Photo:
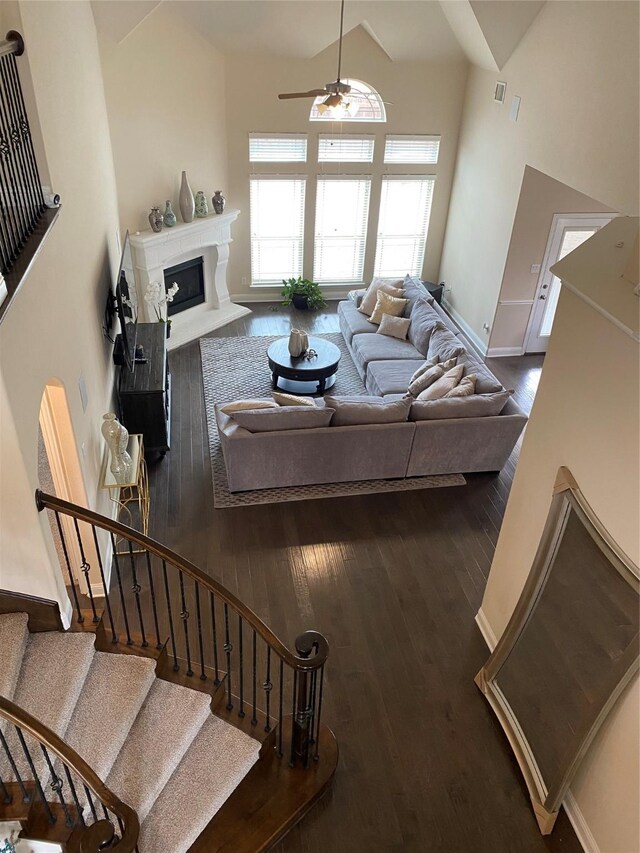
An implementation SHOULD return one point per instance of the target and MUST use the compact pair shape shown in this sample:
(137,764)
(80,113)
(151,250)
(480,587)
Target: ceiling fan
(336,91)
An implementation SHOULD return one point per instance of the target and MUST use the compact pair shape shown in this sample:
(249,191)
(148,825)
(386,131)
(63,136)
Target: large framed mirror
(569,650)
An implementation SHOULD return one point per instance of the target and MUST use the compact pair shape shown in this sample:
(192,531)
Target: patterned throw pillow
(283,399)
(394,327)
(368,302)
(442,386)
(466,387)
(387,304)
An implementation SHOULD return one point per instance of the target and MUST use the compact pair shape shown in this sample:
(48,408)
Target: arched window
(363,103)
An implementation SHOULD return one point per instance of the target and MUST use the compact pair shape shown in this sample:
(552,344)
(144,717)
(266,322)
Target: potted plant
(302,293)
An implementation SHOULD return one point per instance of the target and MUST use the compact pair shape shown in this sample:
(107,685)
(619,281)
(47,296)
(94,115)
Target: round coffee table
(303,375)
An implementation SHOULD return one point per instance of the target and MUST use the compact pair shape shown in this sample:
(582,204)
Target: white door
(567,233)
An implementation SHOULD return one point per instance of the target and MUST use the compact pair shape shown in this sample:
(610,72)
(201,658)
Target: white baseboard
(503,352)
(474,340)
(207,322)
(486,630)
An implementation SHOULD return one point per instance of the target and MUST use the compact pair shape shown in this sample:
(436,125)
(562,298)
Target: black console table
(144,396)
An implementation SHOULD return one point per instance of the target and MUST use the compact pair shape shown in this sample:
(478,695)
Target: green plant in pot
(302,293)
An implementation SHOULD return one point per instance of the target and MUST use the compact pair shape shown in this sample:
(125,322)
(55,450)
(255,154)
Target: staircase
(111,739)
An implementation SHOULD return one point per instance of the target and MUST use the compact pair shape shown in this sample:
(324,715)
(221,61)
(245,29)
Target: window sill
(325,285)
(16,277)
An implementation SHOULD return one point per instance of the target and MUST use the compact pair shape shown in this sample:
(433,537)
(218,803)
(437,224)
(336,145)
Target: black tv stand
(144,394)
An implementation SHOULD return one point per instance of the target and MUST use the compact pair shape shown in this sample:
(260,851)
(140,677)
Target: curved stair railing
(154,597)
(46,785)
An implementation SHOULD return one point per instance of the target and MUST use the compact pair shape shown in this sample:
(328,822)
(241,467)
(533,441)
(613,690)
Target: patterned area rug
(235,369)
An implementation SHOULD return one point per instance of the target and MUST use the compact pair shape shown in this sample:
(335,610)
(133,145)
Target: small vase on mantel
(117,438)
(202,208)
(169,216)
(187,204)
(156,219)
(218,201)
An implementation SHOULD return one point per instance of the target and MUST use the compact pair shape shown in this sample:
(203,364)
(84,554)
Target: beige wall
(164,86)
(540,198)
(585,417)
(426,98)
(576,71)
(53,329)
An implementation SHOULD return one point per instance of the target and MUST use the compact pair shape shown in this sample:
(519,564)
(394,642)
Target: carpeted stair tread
(13,640)
(213,766)
(170,717)
(113,693)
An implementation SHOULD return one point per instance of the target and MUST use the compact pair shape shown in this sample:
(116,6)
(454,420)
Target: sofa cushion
(394,327)
(356,295)
(352,322)
(387,304)
(243,405)
(414,289)
(424,321)
(474,406)
(464,388)
(486,382)
(442,386)
(425,379)
(390,377)
(283,399)
(368,301)
(444,344)
(446,320)
(368,348)
(284,417)
(350,411)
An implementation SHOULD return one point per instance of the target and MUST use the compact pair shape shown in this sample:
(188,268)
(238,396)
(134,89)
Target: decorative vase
(202,208)
(187,204)
(169,216)
(156,219)
(218,201)
(298,343)
(117,438)
(300,301)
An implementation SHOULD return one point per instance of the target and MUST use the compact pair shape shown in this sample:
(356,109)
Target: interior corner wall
(54,326)
(577,73)
(164,85)
(426,99)
(587,420)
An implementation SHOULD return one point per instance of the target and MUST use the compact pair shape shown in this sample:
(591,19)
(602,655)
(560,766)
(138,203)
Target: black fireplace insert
(190,278)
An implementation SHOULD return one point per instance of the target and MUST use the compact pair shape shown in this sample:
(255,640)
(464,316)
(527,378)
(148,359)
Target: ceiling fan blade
(313,93)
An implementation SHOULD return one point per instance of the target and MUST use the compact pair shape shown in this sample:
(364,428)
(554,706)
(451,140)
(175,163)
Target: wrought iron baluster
(25,794)
(203,676)
(74,591)
(6,796)
(184,615)
(312,707)
(114,636)
(105,812)
(280,707)
(154,608)
(228,648)
(292,757)
(317,737)
(35,184)
(9,74)
(136,589)
(116,563)
(267,687)
(254,680)
(13,227)
(214,630)
(17,208)
(87,792)
(85,568)
(241,668)
(56,785)
(170,616)
(50,815)
(74,794)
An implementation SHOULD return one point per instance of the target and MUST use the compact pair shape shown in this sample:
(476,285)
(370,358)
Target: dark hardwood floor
(394,581)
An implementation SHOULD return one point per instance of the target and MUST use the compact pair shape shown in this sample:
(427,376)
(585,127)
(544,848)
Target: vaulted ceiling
(485,31)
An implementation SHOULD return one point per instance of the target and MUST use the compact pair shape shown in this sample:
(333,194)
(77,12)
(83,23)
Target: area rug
(235,369)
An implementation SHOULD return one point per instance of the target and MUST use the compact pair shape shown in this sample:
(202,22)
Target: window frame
(263,282)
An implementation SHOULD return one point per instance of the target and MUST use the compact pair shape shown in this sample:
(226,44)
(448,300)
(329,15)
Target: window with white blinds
(411,149)
(277,227)
(345,149)
(405,207)
(278,147)
(342,211)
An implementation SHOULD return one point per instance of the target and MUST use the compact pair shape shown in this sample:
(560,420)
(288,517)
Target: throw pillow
(394,327)
(426,366)
(424,321)
(353,411)
(473,406)
(242,405)
(442,386)
(465,388)
(444,344)
(283,417)
(425,380)
(387,304)
(283,399)
(368,301)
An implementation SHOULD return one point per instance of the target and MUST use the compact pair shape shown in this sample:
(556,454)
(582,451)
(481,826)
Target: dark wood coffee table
(303,375)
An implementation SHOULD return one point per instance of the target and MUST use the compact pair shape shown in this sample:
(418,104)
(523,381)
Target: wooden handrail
(12,43)
(306,643)
(98,833)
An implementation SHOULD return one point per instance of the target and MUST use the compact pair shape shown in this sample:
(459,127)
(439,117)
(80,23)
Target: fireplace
(190,279)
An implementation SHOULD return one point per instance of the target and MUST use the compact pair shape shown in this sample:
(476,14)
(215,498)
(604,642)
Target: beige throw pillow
(387,304)
(283,399)
(247,405)
(431,362)
(394,327)
(368,302)
(425,379)
(442,386)
(466,387)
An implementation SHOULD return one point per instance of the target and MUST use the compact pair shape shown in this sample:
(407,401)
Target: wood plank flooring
(394,581)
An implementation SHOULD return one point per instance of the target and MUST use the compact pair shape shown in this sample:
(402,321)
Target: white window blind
(345,149)
(411,149)
(277,147)
(405,207)
(277,227)
(342,211)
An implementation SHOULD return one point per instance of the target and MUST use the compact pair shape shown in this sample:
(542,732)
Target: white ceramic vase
(187,202)
(117,438)
(298,343)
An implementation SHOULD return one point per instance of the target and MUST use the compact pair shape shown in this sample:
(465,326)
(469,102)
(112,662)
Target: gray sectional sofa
(437,439)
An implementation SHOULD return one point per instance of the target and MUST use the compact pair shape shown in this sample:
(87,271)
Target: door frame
(556,222)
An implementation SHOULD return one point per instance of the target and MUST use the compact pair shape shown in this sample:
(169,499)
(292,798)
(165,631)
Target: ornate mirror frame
(547,799)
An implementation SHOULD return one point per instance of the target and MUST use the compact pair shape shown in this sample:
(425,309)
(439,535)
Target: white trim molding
(504,352)
(486,630)
(472,337)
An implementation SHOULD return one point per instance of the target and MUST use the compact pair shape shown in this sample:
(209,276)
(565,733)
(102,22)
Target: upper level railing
(154,597)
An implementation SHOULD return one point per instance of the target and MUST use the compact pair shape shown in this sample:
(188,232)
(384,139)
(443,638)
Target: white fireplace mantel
(210,238)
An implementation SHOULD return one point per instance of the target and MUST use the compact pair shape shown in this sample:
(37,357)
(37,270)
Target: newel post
(304,699)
